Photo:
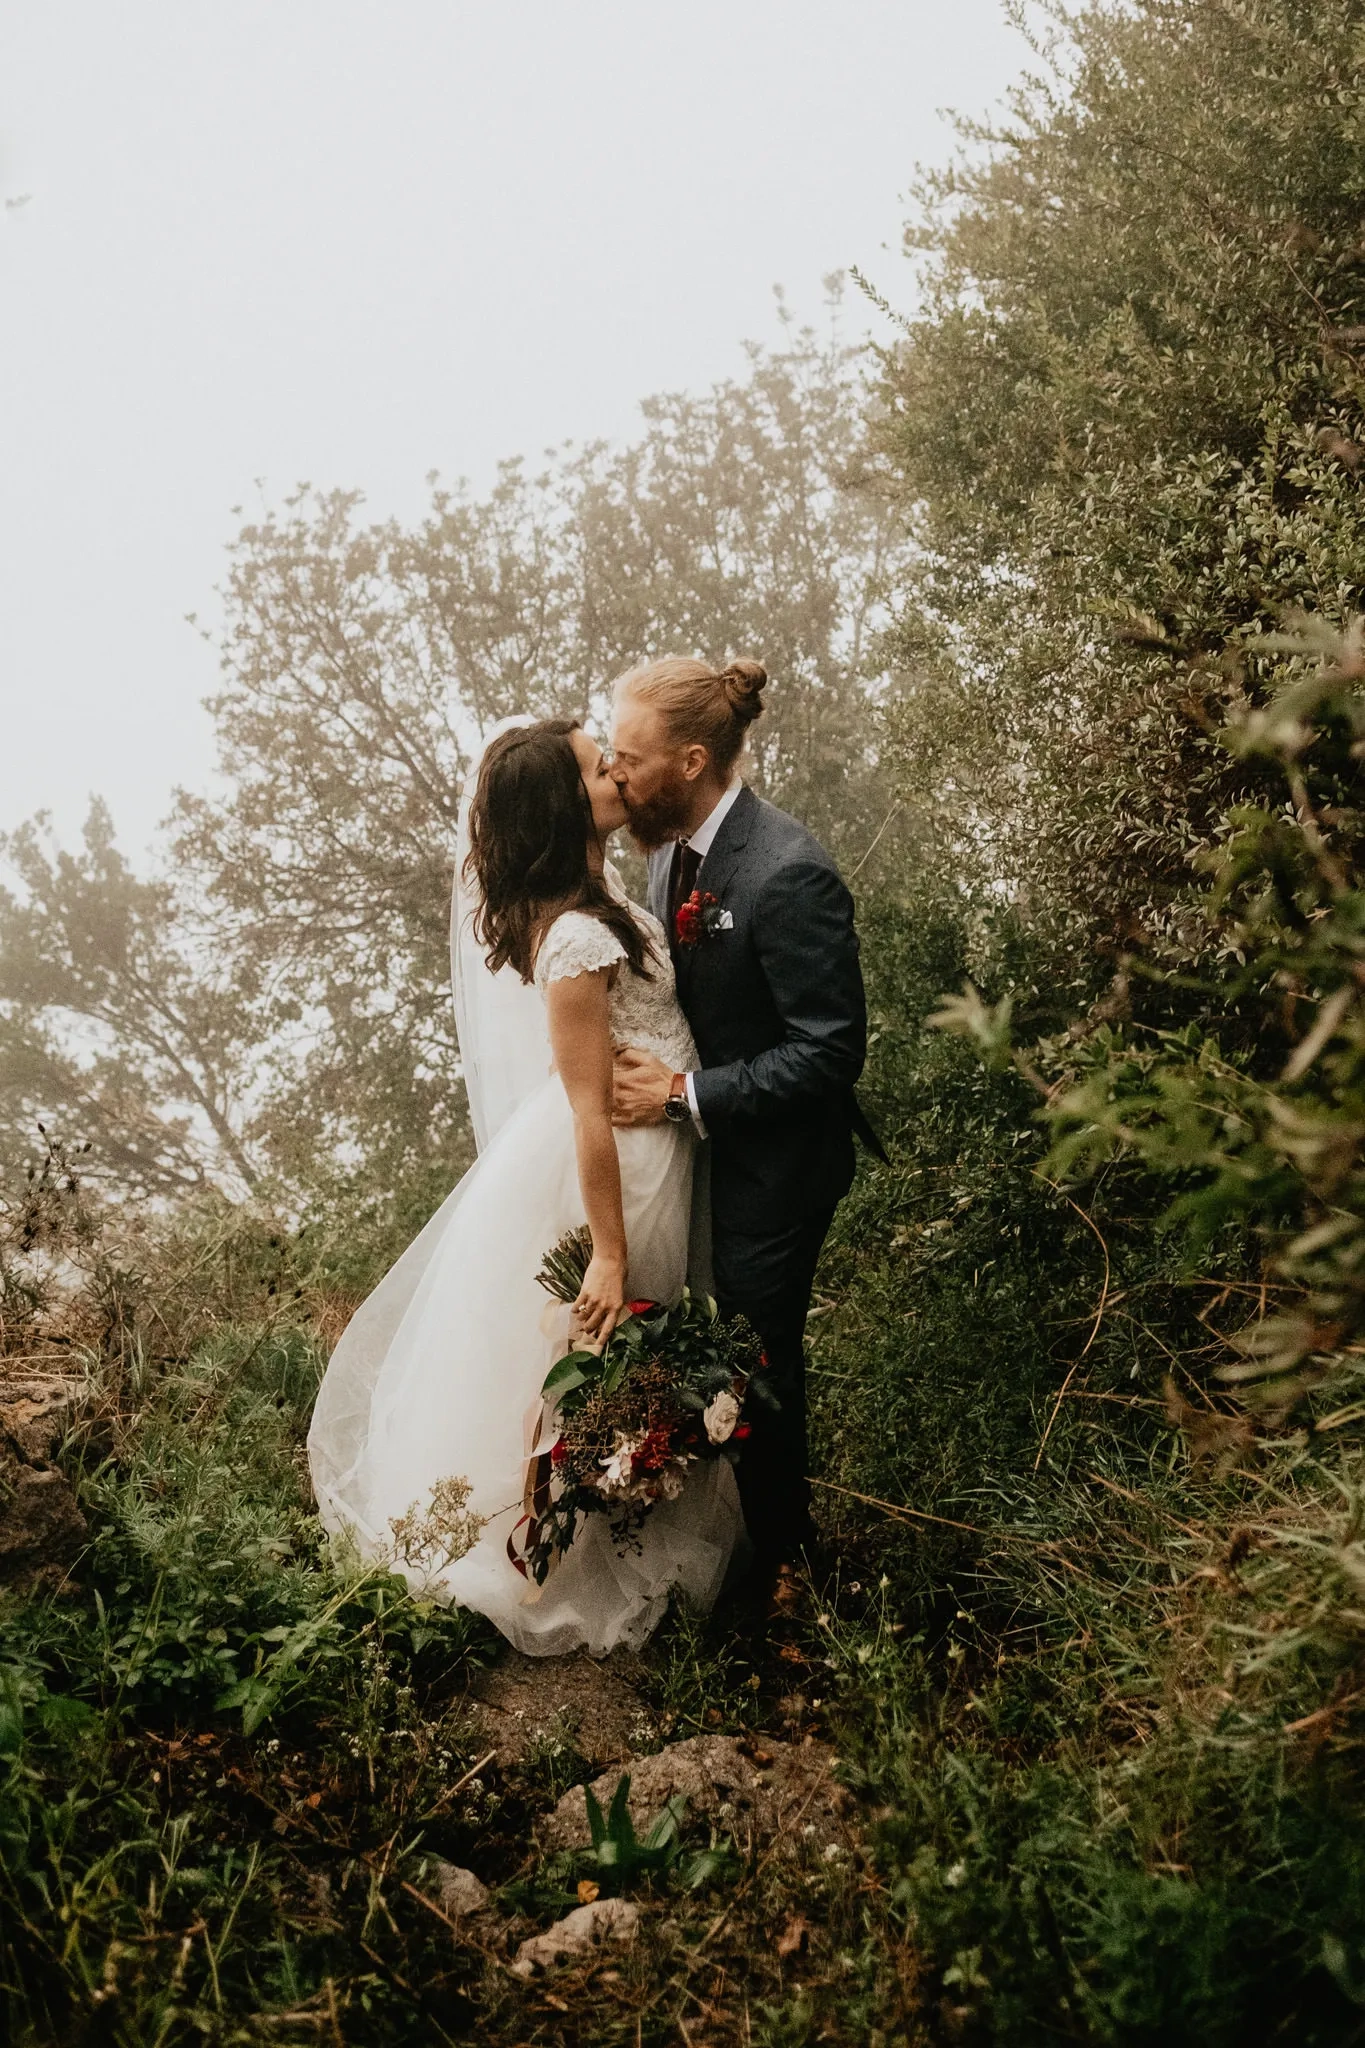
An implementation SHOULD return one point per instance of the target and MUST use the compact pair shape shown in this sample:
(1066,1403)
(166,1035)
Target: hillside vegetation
(1062,593)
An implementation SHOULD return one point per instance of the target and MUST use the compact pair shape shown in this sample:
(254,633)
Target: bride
(429,1404)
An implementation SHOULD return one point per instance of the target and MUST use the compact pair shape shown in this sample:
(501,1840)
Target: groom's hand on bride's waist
(640,1088)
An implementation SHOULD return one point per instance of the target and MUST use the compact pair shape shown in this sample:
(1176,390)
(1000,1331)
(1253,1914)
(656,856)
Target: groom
(761,931)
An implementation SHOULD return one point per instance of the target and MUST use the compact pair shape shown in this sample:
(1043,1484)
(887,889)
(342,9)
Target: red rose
(557,1451)
(739,1432)
(641,1308)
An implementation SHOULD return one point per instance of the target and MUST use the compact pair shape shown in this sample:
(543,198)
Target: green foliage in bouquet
(702,1353)
(667,1388)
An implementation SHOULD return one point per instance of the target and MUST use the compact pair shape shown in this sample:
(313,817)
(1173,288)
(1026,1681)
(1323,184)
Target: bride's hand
(601,1300)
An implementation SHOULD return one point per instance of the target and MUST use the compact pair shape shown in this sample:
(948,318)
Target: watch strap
(677,1108)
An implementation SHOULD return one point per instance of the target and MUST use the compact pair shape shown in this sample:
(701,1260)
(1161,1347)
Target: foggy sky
(351,243)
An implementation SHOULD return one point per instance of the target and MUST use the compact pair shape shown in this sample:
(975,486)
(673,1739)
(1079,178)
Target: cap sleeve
(576,944)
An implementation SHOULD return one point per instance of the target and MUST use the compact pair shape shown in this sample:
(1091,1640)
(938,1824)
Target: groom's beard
(661,818)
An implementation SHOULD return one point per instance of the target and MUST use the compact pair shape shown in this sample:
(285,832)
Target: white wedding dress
(438,1371)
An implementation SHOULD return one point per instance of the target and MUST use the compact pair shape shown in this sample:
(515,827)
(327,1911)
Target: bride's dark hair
(529,826)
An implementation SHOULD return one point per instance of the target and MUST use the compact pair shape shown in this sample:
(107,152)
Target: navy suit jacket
(776,1005)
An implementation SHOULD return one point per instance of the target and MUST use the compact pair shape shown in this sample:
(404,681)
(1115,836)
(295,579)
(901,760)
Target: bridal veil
(431,1385)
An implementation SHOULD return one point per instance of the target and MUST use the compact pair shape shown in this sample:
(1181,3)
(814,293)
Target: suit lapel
(726,849)
(714,875)
(717,871)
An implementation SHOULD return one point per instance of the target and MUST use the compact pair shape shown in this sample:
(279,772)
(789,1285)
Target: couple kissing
(677,1077)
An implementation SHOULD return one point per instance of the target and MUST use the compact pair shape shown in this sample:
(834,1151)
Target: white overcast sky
(352,241)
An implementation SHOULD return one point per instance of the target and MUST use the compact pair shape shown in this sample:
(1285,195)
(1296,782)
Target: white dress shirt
(703,838)
(701,842)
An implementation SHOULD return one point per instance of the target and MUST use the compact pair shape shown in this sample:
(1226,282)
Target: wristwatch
(676,1108)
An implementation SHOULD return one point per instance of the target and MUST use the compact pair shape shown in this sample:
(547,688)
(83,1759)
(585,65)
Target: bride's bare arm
(580,1035)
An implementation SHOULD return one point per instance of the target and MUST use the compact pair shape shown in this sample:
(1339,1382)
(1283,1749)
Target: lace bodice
(644,1012)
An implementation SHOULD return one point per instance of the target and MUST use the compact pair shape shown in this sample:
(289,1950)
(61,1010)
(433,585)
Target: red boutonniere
(696,919)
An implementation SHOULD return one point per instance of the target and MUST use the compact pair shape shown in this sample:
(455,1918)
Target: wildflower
(430,1539)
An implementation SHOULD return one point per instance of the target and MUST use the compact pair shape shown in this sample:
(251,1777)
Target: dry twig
(1095,1326)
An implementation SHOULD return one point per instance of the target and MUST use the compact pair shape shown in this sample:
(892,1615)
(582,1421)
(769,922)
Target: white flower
(670,1482)
(616,1472)
(721,1417)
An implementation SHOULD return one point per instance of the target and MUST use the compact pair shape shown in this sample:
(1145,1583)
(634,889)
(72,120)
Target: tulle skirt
(438,1371)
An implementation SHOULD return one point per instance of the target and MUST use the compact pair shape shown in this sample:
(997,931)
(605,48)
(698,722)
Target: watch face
(676,1110)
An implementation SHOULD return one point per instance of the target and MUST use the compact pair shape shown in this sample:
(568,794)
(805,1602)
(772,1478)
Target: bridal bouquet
(618,1429)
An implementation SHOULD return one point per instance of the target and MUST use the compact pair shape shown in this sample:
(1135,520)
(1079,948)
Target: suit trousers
(768,1280)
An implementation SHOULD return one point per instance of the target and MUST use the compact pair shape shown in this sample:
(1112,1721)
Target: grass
(1092,1667)
(1114,1741)
(226,1771)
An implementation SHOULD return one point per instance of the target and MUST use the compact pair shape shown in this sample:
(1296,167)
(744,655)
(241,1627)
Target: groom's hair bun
(745,682)
(704,706)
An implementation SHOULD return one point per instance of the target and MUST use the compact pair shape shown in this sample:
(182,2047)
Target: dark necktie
(681,882)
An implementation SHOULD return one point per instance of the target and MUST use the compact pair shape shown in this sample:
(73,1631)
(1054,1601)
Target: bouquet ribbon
(535,1499)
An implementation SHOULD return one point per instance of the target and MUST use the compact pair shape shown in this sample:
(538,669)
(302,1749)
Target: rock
(41,1527)
(35,1413)
(458,1891)
(784,1788)
(577,1935)
(589,1703)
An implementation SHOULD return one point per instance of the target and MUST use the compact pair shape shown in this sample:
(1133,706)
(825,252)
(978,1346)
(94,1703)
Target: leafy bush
(135,1806)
